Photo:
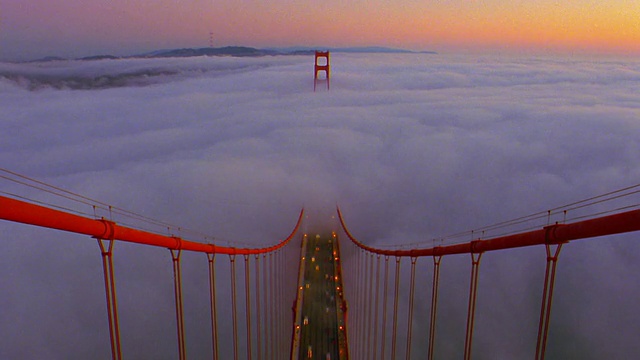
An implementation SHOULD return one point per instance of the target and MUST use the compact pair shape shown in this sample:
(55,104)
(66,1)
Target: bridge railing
(370,267)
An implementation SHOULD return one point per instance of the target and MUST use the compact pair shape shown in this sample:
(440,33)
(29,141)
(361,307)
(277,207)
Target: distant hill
(242,51)
(100,57)
(361,49)
(209,51)
(249,51)
(48,58)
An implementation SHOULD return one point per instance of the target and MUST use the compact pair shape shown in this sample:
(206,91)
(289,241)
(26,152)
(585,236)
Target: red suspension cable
(553,234)
(38,215)
(28,213)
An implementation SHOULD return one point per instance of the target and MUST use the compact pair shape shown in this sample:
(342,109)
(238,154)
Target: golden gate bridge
(328,309)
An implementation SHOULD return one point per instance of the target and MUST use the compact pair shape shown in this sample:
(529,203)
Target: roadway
(319,318)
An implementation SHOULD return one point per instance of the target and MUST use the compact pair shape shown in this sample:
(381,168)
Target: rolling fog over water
(411,146)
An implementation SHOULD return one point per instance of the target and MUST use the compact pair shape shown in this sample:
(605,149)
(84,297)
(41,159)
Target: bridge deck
(321,319)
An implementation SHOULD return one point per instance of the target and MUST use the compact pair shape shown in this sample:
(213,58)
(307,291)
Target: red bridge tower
(321,64)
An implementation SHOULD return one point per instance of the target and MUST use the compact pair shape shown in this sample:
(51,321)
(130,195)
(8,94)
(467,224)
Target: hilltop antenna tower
(210,39)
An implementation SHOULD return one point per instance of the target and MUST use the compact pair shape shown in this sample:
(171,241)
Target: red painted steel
(471,310)
(396,294)
(214,313)
(547,298)
(112,299)
(412,291)
(376,307)
(28,213)
(554,234)
(258,315)
(369,308)
(321,67)
(234,309)
(434,305)
(247,298)
(177,286)
(384,307)
(104,230)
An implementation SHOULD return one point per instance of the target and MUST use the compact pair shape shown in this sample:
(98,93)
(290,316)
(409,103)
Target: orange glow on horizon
(590,25)
(611,26)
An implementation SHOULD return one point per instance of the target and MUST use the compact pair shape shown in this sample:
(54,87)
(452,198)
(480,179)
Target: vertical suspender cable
(234,312)
(547,297)
(273,306)
(284,315)
(285,305)
(473,292)
(112,303)
(384,306)
(247,296)
(259,323)
(267,312)
(395,309)
(434,305)
(363,302)
(361,331)
(278,302)
(177,286)
(355,311)
(281,307)
(212,296)
(412,286)
(369,305)
(376,307)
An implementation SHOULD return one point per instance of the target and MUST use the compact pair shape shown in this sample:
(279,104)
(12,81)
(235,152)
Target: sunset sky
(68,28)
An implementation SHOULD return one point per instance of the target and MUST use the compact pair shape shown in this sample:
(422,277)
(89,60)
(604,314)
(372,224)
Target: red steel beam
(554,234)
(32,214)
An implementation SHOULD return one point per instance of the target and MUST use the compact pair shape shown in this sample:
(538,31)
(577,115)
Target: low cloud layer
(412,147)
